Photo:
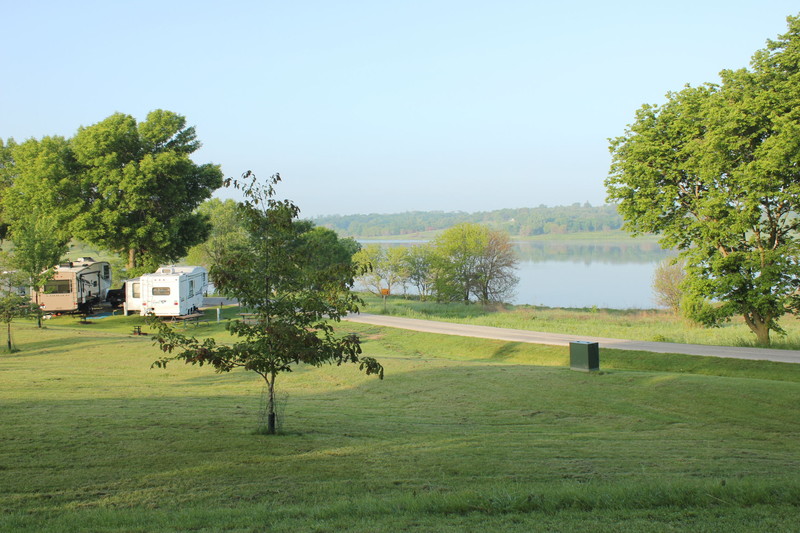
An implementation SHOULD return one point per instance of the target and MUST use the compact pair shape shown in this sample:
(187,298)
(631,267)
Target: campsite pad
(98,316)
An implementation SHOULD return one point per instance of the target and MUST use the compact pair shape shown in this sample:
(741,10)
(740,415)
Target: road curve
(560,339)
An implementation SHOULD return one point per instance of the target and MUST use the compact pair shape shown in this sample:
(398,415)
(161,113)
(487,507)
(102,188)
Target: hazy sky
(378,106)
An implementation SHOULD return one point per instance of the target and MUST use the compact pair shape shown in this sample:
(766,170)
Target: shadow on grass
(27,348)
(473,438)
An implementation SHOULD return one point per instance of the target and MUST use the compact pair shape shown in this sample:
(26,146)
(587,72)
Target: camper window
(135,290)
(106,272)
(57,286)
(160,291)
(191,288)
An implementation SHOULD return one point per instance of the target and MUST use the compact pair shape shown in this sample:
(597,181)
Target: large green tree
(277,273)
(324,248)
(715,171)
(227,231)
(140,187)
(473,261)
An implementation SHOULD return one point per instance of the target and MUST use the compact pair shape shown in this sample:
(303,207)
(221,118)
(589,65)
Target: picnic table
(192,318)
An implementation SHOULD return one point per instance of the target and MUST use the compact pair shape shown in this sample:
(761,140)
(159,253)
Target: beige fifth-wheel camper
(169,291)
(76,286)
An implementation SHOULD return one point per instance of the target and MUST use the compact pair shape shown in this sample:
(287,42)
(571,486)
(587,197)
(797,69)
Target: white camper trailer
(169,291)
(76,286)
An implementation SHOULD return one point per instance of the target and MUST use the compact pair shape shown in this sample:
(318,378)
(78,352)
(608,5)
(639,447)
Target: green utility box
(584,356)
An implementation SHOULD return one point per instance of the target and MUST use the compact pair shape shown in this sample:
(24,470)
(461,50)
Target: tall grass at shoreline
(635,324)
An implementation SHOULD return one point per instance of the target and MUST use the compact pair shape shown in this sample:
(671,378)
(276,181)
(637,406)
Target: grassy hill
(462,435)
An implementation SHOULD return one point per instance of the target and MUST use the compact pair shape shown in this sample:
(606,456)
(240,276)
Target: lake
(615,275)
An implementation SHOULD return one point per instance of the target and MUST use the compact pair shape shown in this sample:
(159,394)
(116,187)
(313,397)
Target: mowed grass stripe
(93,439)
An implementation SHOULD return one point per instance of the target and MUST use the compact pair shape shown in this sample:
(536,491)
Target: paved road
(558,339)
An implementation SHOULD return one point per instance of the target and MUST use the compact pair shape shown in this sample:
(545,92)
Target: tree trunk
(271,406)
(9,337)
(38,310)
(759,326)
(131,259)
(762,334)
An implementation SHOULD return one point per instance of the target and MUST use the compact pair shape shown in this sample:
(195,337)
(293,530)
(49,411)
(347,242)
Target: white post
(218,310)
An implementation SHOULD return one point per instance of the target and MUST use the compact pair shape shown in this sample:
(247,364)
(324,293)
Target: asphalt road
(558,339)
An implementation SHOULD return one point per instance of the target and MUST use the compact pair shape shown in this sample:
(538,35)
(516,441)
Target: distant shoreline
(587,236)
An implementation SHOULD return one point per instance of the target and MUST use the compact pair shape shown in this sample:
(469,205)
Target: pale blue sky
(378,106)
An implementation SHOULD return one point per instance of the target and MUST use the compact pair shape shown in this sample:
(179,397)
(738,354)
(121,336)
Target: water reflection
(591,252)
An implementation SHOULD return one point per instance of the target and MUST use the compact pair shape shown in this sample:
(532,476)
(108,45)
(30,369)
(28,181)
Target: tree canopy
(141,188)
(41,180)
(227,231)
(474,261)
(715,171)
(127,187)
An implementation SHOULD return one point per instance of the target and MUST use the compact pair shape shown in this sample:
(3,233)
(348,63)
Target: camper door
(133,295)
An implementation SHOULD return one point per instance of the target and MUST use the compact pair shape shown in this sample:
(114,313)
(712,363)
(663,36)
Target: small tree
(382,268)
(419,265)
(457,252)
(370,259)
(474,261)
(13,302)
(39,244)
(495,279)
(396,267)
(667,280)
(12,306)
(294,304)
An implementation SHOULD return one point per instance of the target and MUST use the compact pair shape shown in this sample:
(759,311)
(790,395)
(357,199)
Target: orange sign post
(384,293)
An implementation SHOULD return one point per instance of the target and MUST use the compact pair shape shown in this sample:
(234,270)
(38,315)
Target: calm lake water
(615,275)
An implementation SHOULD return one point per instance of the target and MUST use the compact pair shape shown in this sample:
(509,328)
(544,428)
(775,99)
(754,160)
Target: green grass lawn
(636,324)
(462,435)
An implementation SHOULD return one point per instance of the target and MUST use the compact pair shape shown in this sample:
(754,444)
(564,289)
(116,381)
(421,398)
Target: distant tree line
(523,222)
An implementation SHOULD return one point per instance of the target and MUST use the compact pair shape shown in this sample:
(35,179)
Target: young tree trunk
(38,311)
(271,406)
(9,337)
